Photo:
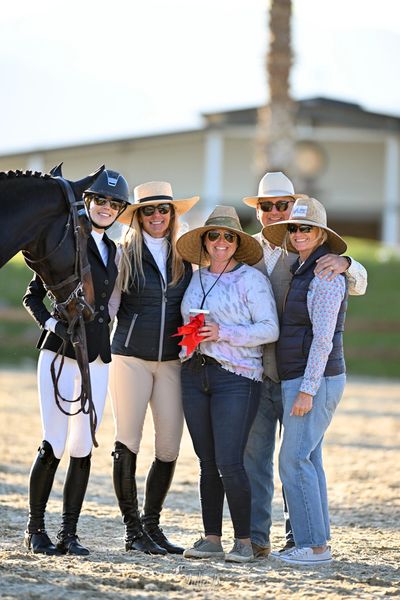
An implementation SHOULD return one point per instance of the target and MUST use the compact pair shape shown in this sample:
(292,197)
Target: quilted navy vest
(296,333)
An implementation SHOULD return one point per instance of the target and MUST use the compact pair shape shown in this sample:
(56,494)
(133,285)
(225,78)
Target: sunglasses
(114,204)
(213,236)
(280,206)
(149,210)
(301,228)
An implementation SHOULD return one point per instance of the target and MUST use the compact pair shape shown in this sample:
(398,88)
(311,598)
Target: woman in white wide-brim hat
(145,367)
(221,379)
(312,370)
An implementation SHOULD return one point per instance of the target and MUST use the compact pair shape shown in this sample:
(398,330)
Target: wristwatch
(348,260)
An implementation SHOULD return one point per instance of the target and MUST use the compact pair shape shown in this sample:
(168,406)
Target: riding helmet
(110,184)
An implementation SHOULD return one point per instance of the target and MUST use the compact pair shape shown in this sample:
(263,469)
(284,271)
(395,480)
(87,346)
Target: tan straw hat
(306,211)
(153,193)
(189,245)
(273,185)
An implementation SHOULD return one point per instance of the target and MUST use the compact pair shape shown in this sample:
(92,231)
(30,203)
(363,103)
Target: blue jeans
(219,409)
(300,460)
(259,461)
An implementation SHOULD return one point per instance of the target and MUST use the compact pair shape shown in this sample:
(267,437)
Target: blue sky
(77,71)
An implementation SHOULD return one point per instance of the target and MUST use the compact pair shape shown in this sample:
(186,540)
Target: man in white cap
(274,203)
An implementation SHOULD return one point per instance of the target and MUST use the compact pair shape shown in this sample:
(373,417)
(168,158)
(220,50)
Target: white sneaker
(305,556)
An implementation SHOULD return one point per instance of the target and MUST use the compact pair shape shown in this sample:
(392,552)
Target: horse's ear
(84,184)
(95,174)
(56,171)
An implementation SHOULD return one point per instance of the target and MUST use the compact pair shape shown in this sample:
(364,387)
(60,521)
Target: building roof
(316,112)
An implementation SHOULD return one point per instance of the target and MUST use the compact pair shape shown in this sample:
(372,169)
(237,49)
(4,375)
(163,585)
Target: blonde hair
(323,235)
(131,264)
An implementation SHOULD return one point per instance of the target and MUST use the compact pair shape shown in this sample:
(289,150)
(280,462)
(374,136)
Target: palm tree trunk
(275,135)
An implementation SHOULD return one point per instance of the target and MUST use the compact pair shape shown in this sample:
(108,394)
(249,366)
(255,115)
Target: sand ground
(362,456)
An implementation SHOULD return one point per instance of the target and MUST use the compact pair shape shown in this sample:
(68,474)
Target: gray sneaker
(203,548)
(240,553)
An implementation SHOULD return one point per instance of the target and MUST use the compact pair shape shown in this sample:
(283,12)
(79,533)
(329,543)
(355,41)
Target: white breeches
(56,424)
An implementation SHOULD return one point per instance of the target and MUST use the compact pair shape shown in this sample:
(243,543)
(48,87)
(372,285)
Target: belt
(203,359)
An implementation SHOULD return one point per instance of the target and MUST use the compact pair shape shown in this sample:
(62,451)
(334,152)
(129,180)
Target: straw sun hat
(154,193)
(189,245)
(273,185)
(306,211)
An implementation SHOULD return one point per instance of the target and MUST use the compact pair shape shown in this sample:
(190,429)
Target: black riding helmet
(109,184)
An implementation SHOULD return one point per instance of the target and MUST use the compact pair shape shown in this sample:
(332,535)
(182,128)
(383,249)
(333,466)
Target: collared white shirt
(271,255)
(101,245)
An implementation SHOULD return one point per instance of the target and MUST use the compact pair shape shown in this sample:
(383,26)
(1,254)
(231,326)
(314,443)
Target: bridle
(76,210)
(76,324)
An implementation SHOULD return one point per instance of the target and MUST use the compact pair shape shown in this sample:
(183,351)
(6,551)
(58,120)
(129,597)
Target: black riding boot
(124,471)
(41,480)
(75,486)
(158,482)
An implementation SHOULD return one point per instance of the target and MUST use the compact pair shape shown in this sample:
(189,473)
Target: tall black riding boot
(124,471)
(41,480)
(75,485)
(158,482)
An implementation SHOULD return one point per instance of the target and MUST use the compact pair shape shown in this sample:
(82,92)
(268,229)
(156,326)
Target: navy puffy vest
(296,334)
(150,314)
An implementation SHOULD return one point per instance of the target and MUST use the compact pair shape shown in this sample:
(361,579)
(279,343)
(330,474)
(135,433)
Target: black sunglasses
(302,228)
(213,236)
(114,204)
(149,210)
(280,206)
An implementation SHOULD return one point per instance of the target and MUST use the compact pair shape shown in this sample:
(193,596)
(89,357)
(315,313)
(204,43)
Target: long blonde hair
(131,264)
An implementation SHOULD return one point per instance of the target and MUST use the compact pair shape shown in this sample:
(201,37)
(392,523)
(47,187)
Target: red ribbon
(190,332)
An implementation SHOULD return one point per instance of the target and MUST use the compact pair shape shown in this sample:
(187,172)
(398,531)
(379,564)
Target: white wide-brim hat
(273,185)
(189,245)
(306,211)
(154,193)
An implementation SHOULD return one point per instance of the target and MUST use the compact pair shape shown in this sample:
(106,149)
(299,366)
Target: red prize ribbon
(190,332)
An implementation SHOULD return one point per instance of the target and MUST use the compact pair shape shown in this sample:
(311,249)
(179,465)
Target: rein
(76,325)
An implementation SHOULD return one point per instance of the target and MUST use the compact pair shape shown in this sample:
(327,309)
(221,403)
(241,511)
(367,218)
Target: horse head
(58,252)
(81,299)
(75,294)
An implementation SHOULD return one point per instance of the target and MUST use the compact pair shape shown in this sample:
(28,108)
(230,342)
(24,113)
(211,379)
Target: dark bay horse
(44,216)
